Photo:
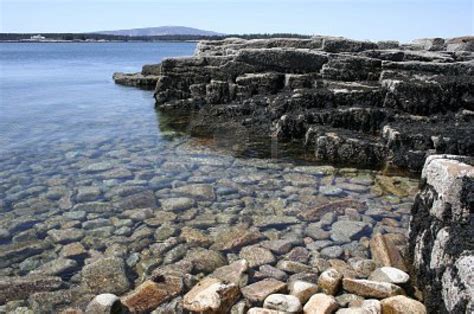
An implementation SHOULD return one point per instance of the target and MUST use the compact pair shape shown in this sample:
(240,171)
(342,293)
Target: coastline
(151,217)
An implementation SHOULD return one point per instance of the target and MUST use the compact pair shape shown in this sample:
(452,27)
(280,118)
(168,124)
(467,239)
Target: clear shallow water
(53,93)
(89,170)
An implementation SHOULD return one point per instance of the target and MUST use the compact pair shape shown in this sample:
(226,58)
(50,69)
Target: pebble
(177,204)
(211,295)
(164,232)
(320,303)
(278,246)
(293,267)
(300,179)
(298,254)
(330,190)
(303,290)
(56,267)
(260,290)
(371,289)
(106,275)
(149,295)
(283,302)
(330,281)
(234,272)
(332,252)
(268,271)
(354,187)
(316,232)
(202,192)
(88,193)
(348,299)
(66,235)
(363,267)
(390,275)
(385,253)
(402,305)
(205,260)
(256,256)
(105,303)
(260,310)
(347,230)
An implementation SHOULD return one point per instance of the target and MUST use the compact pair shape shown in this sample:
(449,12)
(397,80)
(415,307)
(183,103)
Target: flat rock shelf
(346,101)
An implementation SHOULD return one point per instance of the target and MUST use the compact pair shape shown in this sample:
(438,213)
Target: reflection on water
(89,170)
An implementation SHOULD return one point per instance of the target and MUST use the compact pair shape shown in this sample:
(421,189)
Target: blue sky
(360,19)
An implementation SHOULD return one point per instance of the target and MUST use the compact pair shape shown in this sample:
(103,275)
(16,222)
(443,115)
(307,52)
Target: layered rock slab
(350,102)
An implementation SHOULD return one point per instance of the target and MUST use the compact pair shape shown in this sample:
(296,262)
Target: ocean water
(90,172)
(54,93)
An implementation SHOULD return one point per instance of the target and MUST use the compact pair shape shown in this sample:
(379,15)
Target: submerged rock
(256,256)
(18,288)
(386,253)
(106,275)
(149,295)
(236,237)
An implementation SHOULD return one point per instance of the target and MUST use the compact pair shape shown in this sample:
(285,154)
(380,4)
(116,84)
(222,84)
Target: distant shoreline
(104,38)
(95,41)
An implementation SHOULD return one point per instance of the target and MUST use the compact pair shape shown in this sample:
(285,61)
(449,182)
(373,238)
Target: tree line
(94,36)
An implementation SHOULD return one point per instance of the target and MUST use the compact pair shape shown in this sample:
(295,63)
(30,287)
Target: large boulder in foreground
(441,234)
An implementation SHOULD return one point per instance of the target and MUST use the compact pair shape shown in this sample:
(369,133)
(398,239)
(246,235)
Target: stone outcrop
(349,102)
(441,234)
(146,79)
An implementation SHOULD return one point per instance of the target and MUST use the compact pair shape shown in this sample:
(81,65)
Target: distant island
(161,31)
(149,34)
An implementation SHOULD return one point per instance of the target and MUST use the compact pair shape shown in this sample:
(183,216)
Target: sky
(402,20)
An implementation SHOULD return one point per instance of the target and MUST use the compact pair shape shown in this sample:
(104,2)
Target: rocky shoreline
(174,226)
(376,105)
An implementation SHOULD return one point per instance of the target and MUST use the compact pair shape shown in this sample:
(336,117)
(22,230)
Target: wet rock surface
(441,233)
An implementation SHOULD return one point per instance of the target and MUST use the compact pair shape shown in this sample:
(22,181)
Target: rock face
(441,234)
(351,102)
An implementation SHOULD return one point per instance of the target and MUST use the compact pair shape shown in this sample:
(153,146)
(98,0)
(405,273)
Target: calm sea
(52,93)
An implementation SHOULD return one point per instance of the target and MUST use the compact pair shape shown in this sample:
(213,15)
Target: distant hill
(160,31)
